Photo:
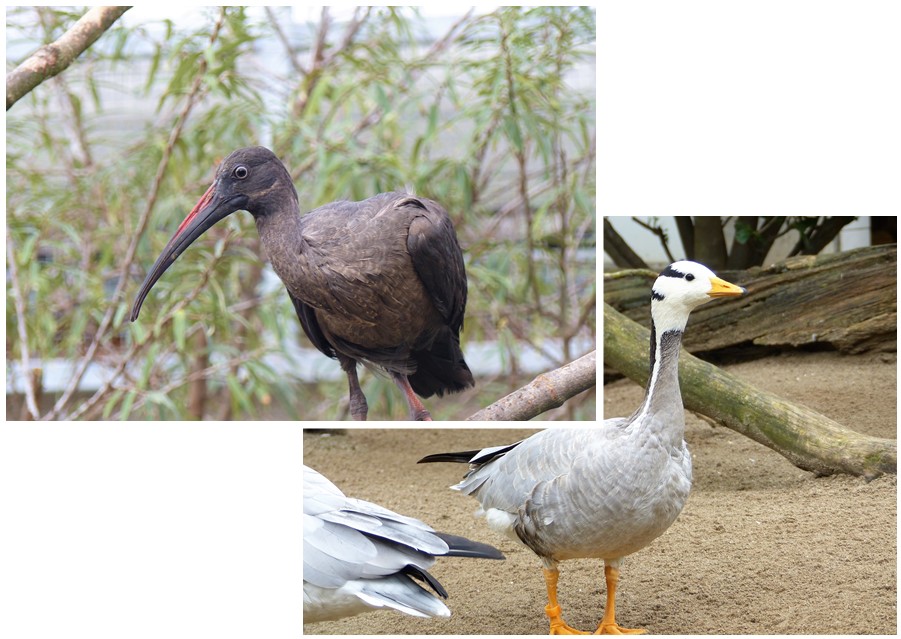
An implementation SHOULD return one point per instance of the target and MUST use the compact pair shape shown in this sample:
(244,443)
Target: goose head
(680,288)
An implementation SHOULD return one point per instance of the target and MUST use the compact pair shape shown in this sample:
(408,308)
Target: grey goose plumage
(601,492)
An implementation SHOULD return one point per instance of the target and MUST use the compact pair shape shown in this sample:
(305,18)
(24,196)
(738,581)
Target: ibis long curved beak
(722,288)
(211,208)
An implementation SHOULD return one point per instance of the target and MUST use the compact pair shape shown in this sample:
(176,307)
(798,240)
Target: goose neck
(662,409)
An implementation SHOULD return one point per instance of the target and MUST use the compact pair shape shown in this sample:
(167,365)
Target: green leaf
(179,329)
(125,411)
(239,396)
(743,232)
(512,133)
(111,403)
(432,125)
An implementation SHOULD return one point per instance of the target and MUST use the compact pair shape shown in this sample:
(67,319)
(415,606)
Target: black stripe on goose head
(670,271)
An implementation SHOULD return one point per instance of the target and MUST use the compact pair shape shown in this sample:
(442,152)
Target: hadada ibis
(379,282)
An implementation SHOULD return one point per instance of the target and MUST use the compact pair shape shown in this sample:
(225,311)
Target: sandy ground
(761,547)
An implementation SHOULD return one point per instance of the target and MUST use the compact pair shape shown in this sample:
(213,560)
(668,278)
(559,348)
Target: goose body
(609,491)
(358,556)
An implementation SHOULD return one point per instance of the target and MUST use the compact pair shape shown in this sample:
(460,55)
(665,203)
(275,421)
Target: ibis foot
(418,412)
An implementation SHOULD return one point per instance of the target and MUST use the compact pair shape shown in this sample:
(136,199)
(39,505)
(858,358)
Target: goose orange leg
(552,610)
(608,625)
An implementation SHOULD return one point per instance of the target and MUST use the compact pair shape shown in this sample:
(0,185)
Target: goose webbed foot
(616,629)
(552,610)
(608,625)
(558,626)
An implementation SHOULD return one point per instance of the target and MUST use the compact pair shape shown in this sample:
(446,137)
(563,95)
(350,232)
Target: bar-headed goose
(608,491)
(358,556)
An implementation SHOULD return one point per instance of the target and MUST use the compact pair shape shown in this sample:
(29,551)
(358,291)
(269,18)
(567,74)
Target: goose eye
(689,277)
(240,172)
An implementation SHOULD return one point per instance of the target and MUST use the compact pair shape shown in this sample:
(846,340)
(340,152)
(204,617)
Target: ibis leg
(358,406)
(417,410)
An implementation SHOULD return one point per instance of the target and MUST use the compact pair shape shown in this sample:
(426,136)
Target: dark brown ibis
(379,282)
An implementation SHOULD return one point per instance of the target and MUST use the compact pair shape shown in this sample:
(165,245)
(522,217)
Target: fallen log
(808,439)
(847,301)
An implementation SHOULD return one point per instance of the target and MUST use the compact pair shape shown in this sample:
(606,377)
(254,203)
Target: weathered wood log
(846,300)
(808,439)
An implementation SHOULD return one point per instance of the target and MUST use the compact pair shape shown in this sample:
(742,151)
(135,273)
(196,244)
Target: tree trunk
(845,300)
(809,440)
(619,250)
(710,243)
(687,234)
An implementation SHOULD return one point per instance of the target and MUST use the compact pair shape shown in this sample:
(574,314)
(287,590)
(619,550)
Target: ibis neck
(281,234)
(662,409)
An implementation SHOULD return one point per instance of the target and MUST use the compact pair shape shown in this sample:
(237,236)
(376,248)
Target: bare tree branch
(547,391)
(55,57)
(289,50)
(820,235)
(661,235)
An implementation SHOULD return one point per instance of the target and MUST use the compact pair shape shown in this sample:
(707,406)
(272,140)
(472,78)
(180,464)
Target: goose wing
(554,490)
(358,555)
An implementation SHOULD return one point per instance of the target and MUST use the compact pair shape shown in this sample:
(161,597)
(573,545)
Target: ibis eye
(689,277)
(240,172)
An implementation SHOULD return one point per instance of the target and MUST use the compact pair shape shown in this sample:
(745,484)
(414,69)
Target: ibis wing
(438,260)
(310,325)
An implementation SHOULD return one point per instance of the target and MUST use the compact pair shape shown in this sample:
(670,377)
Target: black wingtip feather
(463,547)
(423,575)
(458,458)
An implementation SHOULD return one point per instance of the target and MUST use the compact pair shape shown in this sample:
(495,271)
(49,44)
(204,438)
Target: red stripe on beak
(200,204)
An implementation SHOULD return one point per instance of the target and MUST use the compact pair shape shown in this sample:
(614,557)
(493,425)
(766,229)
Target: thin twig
(660,233)
(19,302)
(205,373)
(289,50)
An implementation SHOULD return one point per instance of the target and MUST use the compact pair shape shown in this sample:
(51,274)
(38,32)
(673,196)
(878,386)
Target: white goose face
(683,286)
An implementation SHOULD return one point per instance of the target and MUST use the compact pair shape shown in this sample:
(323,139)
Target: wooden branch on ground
(547,391)
(847,300)
(51,59)
(809,440)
